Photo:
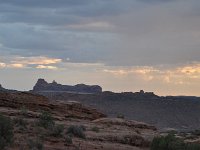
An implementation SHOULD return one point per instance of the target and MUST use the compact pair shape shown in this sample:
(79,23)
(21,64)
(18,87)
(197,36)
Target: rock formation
(43,86)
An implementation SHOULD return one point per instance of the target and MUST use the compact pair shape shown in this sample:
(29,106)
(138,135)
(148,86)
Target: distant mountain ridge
(43,85)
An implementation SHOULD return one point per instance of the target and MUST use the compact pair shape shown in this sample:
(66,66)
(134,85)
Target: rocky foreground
(90,128)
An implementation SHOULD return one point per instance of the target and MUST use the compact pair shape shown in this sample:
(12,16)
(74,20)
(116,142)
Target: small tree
(57,130)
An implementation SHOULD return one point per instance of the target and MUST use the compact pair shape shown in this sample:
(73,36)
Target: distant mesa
(44,86)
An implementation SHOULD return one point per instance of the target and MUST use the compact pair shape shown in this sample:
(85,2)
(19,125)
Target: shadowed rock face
(37,103)
(42,85)
(163,112)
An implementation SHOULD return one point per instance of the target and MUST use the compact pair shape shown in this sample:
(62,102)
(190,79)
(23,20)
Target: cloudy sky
(122,45)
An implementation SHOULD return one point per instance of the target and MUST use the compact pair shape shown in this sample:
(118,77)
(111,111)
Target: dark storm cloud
(38,27)
(45,3)
(60,12)
(156,1)
(114,32)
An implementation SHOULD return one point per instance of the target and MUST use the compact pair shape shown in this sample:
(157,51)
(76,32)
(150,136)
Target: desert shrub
(193,146)
(35,144)
(83,127)
(108,125)
(24,111)
(57,130)
(95,129)
(46,120)
(170,142)
(42,133)
(68,140)
(20,122)
(121,116)
(6,132)
(76,131)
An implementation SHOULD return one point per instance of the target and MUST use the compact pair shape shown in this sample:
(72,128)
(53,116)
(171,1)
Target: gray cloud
(62,12)
(156,1)
(114,32)
(45,3)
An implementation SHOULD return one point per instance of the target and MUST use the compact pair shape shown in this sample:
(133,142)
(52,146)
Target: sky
(121,45)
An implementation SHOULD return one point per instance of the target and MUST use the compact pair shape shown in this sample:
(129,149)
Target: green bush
(6,132)
(35,144)
(76,131)
(57,130)
(170,142)
(46,120)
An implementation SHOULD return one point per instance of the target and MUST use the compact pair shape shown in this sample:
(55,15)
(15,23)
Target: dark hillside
(163,112)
